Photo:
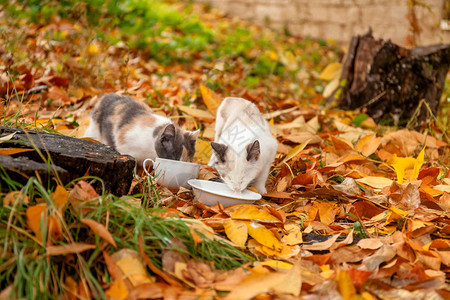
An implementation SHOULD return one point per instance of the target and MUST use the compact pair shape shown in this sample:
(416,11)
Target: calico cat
(244,147)
(132,128)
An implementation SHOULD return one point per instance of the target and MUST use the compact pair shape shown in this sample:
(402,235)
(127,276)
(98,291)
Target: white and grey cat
(132,128)
(244,147)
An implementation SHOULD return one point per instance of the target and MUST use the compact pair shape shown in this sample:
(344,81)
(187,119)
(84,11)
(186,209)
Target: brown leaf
(321,245)
(100,229)
(166,277)
(68,248)
(370,244)
(147,291)
(56,93)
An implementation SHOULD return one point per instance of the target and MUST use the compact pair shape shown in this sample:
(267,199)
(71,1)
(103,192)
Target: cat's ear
(220,150)
(168,138)
(192,136)
(253,151)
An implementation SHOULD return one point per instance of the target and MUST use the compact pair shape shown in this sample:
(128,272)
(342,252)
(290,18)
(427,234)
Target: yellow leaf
(294,151)
(93,49)
(346,286)
(210,98)
(236,231)
(203,151)
(332,71)
(375,181)
(403,164)
(277,265)
(197,113)
(134,270)
(251,212)
(330,88)
(263,236)
(118,290)
(100,229)
(11,151)
(293,236)
(418,164)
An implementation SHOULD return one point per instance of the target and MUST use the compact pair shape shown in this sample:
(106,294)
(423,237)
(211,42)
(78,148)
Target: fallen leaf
(203,151)
(197,113)
(370,244)
(251,212)
(236,231)
(100,229)
(60,197)
(15,198)
(11,151)
(368,144)
(117,290)
(7,137)
(37,215)
(375,181)
(68,249)
(293,152)
(210,98)
(346,286)
(332,71)
(321,245)
(263,235)
(402,164)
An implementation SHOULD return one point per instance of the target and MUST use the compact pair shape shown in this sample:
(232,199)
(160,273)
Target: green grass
(26,268)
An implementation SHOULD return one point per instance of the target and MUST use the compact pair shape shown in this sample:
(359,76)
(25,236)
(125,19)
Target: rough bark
(389,82)
(71,158)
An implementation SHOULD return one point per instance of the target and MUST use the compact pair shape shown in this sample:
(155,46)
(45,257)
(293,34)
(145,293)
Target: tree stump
(389,82)
(70,158)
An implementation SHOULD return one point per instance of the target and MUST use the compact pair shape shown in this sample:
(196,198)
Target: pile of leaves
(354,209)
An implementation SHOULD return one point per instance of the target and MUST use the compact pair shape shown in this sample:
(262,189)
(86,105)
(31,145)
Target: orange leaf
(326,212)
(118,290)
(35,214)
(341,144)
(68,248)
(100,229)
(11,151)
(210,98)
(368,144)
(54,227)
(60,196)
(56,93)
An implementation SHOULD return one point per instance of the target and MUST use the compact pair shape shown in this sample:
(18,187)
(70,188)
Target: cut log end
(70,158)
(393,84)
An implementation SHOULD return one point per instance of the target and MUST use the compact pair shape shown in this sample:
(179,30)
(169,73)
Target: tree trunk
(70,158)
(389,82)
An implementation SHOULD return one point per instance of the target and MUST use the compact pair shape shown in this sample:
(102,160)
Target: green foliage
(32,274)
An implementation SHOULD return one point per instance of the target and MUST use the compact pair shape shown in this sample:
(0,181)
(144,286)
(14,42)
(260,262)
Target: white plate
(211,192)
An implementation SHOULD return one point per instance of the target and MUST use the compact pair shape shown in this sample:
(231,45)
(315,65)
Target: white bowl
(173,173)
(210,192)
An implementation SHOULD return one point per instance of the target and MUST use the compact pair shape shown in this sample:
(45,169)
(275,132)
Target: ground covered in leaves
(354,209)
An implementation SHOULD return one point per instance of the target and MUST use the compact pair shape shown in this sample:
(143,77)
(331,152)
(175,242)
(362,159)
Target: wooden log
(389,82)
(71,157)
